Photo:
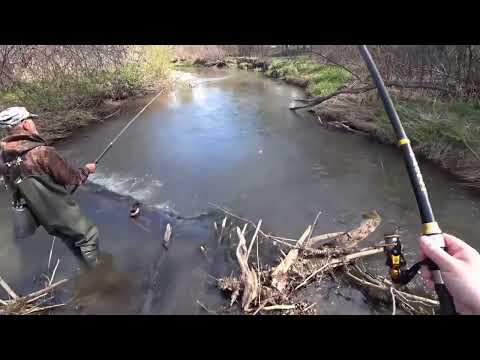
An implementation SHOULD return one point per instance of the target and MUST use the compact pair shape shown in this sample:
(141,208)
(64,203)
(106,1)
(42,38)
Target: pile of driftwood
(37,302)
(33,303)
(262,289)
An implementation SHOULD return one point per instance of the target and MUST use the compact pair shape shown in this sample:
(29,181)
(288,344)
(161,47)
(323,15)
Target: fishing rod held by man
(110,145)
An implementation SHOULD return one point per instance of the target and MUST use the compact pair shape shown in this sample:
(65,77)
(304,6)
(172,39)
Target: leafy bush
(80,92)
(322,79)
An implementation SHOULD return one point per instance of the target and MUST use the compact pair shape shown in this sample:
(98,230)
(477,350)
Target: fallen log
(352,91)
(350,238)
(324,237)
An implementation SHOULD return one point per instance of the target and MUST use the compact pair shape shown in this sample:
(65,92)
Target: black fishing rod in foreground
(429,225)
(109,146)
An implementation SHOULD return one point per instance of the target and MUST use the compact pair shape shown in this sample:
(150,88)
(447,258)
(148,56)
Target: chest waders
(39,201)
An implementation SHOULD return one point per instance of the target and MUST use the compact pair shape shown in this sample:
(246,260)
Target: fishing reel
(396,261)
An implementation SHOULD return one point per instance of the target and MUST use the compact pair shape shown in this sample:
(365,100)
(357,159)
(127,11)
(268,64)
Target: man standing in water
(38,178)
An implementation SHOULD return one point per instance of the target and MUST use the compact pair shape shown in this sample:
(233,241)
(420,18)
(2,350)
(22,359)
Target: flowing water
(232,141)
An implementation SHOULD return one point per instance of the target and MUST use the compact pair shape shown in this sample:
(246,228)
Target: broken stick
(254,237)
(167,236)
(279,274)
(8,289)
(248,277)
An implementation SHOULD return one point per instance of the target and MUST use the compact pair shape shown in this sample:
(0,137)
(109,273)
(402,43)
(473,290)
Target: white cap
(13,116)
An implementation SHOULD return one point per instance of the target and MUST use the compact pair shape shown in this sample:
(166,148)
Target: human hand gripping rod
(109,146)
(429,225)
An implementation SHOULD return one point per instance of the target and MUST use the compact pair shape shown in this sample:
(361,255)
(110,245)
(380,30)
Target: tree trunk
(469,70)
